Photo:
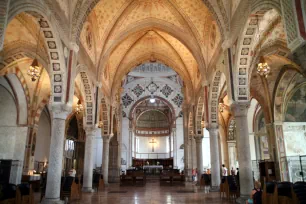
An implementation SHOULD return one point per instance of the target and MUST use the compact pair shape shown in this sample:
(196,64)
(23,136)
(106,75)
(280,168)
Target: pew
(223,188)
(70,189)
(139,176)
(8,193)
(24,194)
(232,188)
(269,195)
(299,189)
(285,193)
(127,178)
(171,176)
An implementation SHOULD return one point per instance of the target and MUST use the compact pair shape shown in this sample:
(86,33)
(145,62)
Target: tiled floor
(151,193)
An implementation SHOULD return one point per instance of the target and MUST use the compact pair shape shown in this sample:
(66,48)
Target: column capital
(74,46)
(198,138)
(212,127)
(60,111)
(107,138)
(240,109)
(91,131)
(227,44)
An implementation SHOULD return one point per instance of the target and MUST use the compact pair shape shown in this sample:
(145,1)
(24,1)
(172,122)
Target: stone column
(240,111)
(88,160)
(105,161)
(198,139)
(130,150)
(232,154)
(174,147)
(56,155)
(214,154)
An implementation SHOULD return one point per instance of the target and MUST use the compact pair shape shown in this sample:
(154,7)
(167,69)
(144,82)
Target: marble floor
(151,193)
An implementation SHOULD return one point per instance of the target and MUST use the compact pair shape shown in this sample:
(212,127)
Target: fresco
(296,107)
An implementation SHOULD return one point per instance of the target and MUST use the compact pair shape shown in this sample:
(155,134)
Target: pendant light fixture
(34,69)
(263,68)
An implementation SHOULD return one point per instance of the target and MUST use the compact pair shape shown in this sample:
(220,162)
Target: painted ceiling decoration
(181,34)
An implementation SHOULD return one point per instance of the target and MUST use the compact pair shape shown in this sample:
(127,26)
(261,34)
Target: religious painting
(296,107)
(261,122)
(89,37)
(213,34)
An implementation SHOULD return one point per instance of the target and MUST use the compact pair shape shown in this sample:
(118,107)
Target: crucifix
(152,142)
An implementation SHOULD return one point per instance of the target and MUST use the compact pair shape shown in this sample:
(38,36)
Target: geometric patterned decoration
(178,100)
(152,87)
(244,54)
(199,113)
(214,97)
(104,117)
(166,90)
(52,46)
(232,130)
(138,90)
(126,100)
(88,99)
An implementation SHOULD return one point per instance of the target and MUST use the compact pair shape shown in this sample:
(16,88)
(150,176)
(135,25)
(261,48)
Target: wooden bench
(24,194)
(171,176)
(139,176)
(70,189)
(127,178)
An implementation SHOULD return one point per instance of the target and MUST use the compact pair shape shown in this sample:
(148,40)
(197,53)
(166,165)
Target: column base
(242,199)
(87,190)
(214,189)
(52,201)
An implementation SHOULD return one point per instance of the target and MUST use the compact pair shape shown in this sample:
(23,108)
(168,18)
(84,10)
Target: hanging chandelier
(152,99)
(79,107)
(263,68)
(34,69)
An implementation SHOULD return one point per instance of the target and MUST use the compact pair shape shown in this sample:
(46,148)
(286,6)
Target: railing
(152,155)
(296,167)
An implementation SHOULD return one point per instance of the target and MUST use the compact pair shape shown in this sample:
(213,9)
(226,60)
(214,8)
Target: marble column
(88,160)
(175,164)
(232,154)
(56,155)
(199,139)
(130,150)
(105,161)
(240,111)
(214,154)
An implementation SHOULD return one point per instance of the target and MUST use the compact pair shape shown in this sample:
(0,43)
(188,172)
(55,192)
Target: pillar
(187,162)
(198,139)
(214,154)
(232,154)
(273,152)
(240,111)
(56,155)
(175,162)
(130,149)
(105,158)
(88,160)
(4,8)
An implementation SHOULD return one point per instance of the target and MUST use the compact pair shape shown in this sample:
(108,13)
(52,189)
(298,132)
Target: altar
(153,169)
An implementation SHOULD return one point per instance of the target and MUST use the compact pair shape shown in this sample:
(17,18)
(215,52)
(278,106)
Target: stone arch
(40,108)
(89,99)
(132,109)
(163,59)
(16,71)
(53,45)
(214,97)
(104,117)
(245,51)
(19,50)
(199,115)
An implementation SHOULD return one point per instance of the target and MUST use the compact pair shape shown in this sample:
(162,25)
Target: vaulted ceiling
(120,34)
